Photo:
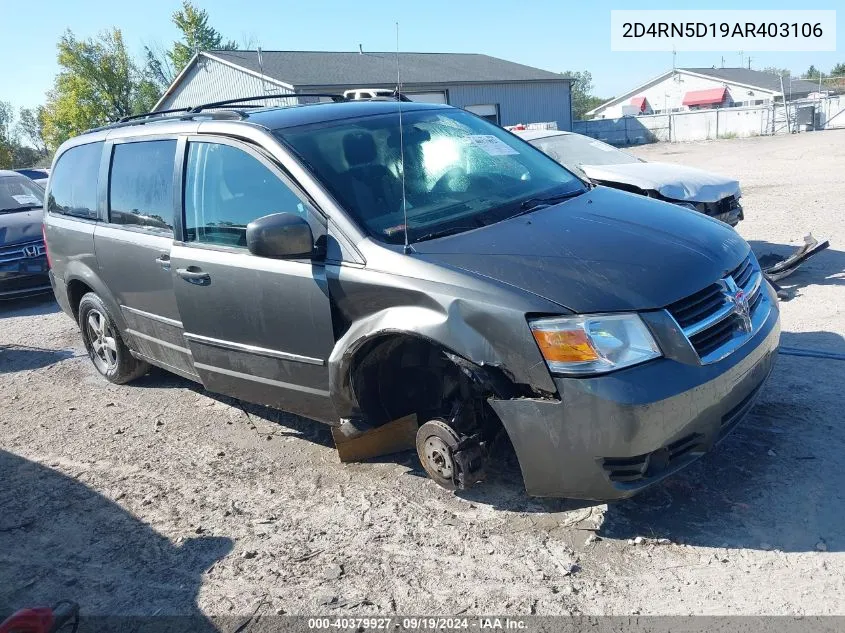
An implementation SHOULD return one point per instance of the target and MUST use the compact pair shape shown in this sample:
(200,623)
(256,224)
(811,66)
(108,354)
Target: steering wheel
(454,180)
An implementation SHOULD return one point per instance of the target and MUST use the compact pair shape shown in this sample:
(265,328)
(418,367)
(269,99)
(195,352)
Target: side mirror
(281,236)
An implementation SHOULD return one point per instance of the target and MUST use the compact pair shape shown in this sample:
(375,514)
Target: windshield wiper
(452,230)
(534,203)
(28,207)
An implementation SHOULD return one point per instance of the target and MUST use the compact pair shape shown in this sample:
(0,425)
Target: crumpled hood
(20,226)
(675,182)
(604,251)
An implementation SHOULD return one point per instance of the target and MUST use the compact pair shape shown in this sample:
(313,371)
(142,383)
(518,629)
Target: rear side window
(141,184)
(73,190)
(226,189)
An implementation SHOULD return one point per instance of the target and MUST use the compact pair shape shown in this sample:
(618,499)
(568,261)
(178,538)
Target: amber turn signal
(565,346)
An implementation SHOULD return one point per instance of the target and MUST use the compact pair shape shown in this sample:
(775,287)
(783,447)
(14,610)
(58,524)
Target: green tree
(812,73)
(8,139)
(773,70)
(583,99)
(838,70)
(31,128)
(197,35)
(98,83)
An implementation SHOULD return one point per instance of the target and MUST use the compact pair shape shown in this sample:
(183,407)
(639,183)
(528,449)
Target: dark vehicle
(322,260)
(37,174)
(23,260)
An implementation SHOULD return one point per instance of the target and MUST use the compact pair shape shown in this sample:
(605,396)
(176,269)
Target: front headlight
(593,344)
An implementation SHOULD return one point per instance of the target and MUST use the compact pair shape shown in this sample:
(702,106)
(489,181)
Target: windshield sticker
(26,198)
(491,145)
(602,146)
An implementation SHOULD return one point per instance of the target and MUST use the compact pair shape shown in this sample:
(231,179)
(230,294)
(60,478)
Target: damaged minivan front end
(652,361)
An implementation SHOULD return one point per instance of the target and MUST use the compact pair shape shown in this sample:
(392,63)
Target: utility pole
(785,109)
(741,59)
(749,63)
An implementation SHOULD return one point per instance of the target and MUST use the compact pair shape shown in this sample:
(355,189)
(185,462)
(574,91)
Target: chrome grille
(25,250)
(712,318)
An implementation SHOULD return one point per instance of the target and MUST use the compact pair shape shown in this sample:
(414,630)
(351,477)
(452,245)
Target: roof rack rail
(151,117)
(228,113)
(145,115)
(241,100)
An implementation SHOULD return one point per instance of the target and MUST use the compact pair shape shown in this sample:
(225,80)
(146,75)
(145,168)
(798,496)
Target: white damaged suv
(703,191)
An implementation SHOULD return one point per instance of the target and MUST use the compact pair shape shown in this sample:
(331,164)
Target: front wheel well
(396,375)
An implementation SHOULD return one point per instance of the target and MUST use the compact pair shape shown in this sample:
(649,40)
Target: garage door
(486,111)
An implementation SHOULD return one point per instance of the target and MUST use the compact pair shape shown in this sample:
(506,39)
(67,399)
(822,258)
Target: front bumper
(611,436)
(733,216)
(24,278)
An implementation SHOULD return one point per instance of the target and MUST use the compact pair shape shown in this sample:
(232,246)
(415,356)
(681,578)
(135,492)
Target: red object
(37,620)
(46,252)
(710,96)
(639,102)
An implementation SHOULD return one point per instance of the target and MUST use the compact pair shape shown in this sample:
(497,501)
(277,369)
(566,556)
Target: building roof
(756,78)
(752,78)
(319,68)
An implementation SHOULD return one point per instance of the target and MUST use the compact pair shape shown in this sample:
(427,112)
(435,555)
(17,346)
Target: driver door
(258,329)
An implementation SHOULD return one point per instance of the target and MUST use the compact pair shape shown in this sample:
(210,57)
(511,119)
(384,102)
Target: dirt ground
(159,498)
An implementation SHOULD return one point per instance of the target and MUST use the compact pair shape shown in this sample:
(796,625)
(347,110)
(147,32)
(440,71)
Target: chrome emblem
(736,296)
(31,250)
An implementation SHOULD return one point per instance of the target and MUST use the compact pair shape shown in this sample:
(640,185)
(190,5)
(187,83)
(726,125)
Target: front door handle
(163,260)
(194,275)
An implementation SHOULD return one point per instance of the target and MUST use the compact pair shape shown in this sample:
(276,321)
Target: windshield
(574,150)
(461,172)
(19,193)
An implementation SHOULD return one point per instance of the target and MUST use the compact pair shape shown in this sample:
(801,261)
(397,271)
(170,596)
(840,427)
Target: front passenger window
(225,189)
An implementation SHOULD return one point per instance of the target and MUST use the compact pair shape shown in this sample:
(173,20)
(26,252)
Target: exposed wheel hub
(439,457)
(452,460)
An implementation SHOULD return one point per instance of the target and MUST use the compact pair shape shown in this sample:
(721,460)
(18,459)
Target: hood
(675,182)
(20,226)
(604,251)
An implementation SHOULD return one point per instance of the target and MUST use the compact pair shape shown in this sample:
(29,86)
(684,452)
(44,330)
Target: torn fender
(486,329)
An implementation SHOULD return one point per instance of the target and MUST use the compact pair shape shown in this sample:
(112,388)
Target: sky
(556,36)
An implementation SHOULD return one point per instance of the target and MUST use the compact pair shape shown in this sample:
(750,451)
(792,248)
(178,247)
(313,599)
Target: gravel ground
(160,498)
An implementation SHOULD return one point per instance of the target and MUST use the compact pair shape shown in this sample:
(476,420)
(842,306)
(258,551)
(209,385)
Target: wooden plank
(393,437)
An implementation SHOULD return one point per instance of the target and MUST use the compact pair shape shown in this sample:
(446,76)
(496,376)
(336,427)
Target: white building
(685,89)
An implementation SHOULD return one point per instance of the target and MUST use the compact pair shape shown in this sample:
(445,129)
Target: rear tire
(106,349)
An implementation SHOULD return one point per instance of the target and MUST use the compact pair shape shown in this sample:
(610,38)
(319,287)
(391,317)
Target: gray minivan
(327,261)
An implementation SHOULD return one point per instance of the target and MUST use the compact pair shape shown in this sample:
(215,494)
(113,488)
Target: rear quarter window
(73,189)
